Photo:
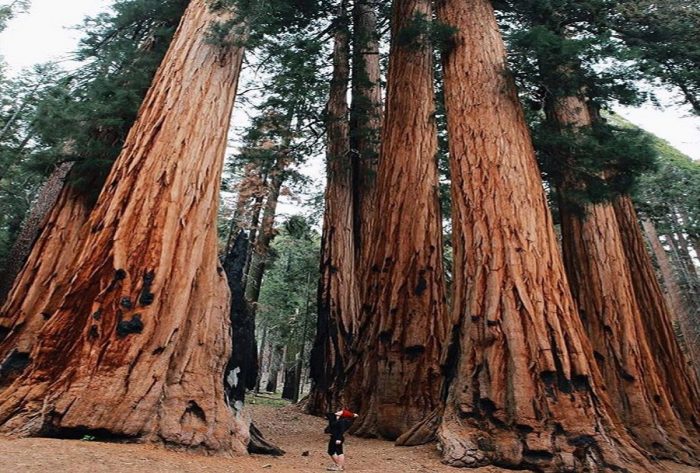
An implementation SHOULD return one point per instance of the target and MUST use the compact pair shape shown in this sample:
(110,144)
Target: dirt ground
(287,427)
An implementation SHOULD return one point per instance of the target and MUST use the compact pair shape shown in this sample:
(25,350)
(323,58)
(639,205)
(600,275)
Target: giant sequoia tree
(395,377)
(338,301)
(84,122)
(588,162)
(525,391)
(138,346)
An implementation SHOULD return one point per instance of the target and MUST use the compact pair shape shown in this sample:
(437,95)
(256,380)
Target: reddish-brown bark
(337,291)
(365,121)
(525,392)
(32,227)
(679,310)
(395,378)
(41,284)
(139,344)
(678,378)
(601,279)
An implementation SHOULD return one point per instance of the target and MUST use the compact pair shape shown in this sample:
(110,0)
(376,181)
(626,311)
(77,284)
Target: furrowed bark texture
(599,272)
(525,392)
(679,379)
(338,297)
(261,244)
(395,380)
(31,228)
(39,287)
(365,122)
(139,344)
(679,310)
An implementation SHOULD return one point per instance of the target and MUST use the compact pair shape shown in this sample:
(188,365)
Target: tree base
(553,450)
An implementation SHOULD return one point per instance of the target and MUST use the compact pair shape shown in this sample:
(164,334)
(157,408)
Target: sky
(45,34)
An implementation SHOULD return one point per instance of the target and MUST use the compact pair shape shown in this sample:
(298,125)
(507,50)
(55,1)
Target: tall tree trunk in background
(32,227)
(677,377)
(673,292)
(276,359)
(684,251)
(242,369)
(680,310)
(395,378)
(40,286)
(524,390)
(291,382)
(365,122)
(338,297)
(601,280)
(261,244)
(261,358)
(138,346)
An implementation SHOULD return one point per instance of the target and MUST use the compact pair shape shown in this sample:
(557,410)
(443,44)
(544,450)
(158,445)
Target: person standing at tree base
(338,424)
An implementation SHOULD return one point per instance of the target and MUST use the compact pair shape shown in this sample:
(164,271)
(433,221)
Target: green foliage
(48,116)
(422,32)
(87,115)
(604,160)
(288,294)
(663,38)
(10,9)
(569,48)
(670,195)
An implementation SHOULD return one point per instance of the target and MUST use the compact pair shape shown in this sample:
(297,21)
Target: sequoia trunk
(139,344)
(365,122)
(395,378)
(678,378)
(337,290)
(524,391)
(32,226)
(39,287)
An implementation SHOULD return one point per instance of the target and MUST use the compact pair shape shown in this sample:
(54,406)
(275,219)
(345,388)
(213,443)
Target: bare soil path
(287,427)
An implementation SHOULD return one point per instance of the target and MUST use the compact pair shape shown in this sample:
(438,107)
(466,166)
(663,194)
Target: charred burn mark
(94,332)
(385,336)
(599,357)
(119,275)
(581,383)
(537,456)
(583,441)
(475,318)
(449,369)
(414,352)
(129,327)
(524,428)
(16,362)
(147,297)
(194,409)
(422,284)
(126,303)
(97,315)
(627,376)
(3,332)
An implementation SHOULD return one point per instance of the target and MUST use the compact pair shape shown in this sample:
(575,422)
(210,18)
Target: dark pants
(335,448)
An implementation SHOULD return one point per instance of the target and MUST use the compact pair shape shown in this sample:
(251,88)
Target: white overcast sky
(45,34)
